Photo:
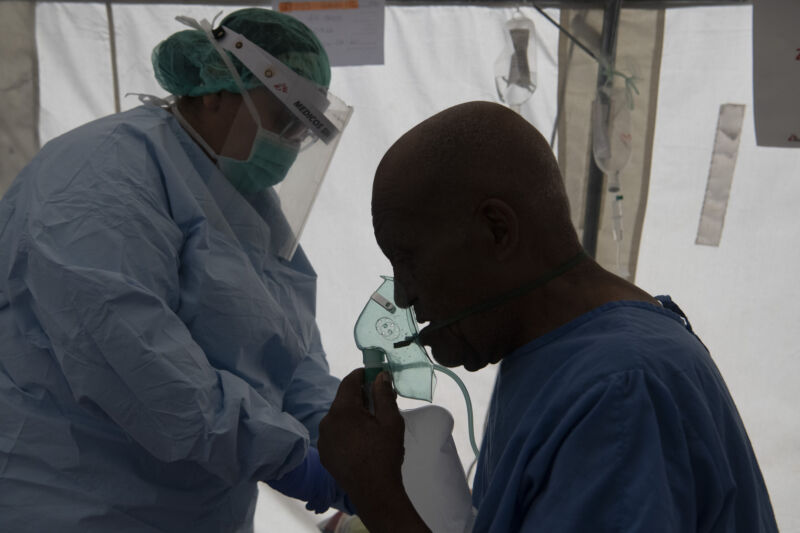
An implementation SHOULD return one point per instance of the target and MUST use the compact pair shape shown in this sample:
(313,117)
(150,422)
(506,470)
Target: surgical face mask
(269,161)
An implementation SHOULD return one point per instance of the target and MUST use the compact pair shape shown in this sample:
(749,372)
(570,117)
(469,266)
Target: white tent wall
(740,295)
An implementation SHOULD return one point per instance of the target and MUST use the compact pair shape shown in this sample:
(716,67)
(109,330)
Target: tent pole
(112,40)
(594,182)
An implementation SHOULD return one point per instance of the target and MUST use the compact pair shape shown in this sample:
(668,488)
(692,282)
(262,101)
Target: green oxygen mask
(388,337)
(381,325)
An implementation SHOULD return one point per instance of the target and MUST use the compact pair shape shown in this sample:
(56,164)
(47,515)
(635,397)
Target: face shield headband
(306,100)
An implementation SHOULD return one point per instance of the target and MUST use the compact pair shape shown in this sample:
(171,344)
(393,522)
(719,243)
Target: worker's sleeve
(311,393)
(312,389)
(623,464)
(311,483)
(98,266)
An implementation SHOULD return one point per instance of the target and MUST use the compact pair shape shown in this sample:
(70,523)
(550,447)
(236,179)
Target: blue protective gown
(618,421)
(156,357)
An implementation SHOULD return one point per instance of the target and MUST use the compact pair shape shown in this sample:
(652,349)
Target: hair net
(187,64)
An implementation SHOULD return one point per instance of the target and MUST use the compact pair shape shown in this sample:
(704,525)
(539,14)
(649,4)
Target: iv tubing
(445,370)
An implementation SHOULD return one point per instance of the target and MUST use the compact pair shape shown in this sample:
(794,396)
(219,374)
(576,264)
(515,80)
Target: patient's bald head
(449,164)
(469,205)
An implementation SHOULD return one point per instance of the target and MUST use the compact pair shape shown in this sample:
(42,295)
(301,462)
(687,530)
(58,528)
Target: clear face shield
(283,134)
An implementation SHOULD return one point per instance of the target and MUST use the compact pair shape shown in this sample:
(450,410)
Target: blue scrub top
(157,356)
(617,421)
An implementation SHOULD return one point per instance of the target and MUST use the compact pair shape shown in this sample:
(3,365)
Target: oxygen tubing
(445,370)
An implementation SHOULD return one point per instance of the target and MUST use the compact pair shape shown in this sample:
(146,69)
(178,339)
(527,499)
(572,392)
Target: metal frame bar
(112,41)
(576,4)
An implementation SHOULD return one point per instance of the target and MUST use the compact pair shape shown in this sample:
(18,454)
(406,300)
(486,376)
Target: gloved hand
(311,483)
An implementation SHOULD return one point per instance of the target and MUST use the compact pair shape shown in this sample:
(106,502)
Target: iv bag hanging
(515,69)
(611,132)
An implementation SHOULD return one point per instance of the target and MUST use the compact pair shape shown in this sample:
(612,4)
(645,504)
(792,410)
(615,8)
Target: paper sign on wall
(776,72)
(350,30)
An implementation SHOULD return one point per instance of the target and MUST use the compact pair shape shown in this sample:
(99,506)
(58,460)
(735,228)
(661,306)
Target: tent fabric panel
(639,41)
(19,88)
(649,90)
(75,78)
(640,38)
(577,87)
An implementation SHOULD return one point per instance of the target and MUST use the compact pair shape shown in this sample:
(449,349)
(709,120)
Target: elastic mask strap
(192,132)
(171,103)
(151,99)
(502,298)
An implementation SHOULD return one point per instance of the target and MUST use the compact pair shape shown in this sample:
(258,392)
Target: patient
(608,414)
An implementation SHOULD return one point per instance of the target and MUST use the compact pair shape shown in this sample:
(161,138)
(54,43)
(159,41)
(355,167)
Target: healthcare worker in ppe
(159,347)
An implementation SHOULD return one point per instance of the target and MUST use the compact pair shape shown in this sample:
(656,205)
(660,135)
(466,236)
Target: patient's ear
(498,228)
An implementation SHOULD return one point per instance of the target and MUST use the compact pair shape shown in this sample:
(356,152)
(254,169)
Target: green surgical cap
(187,64)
